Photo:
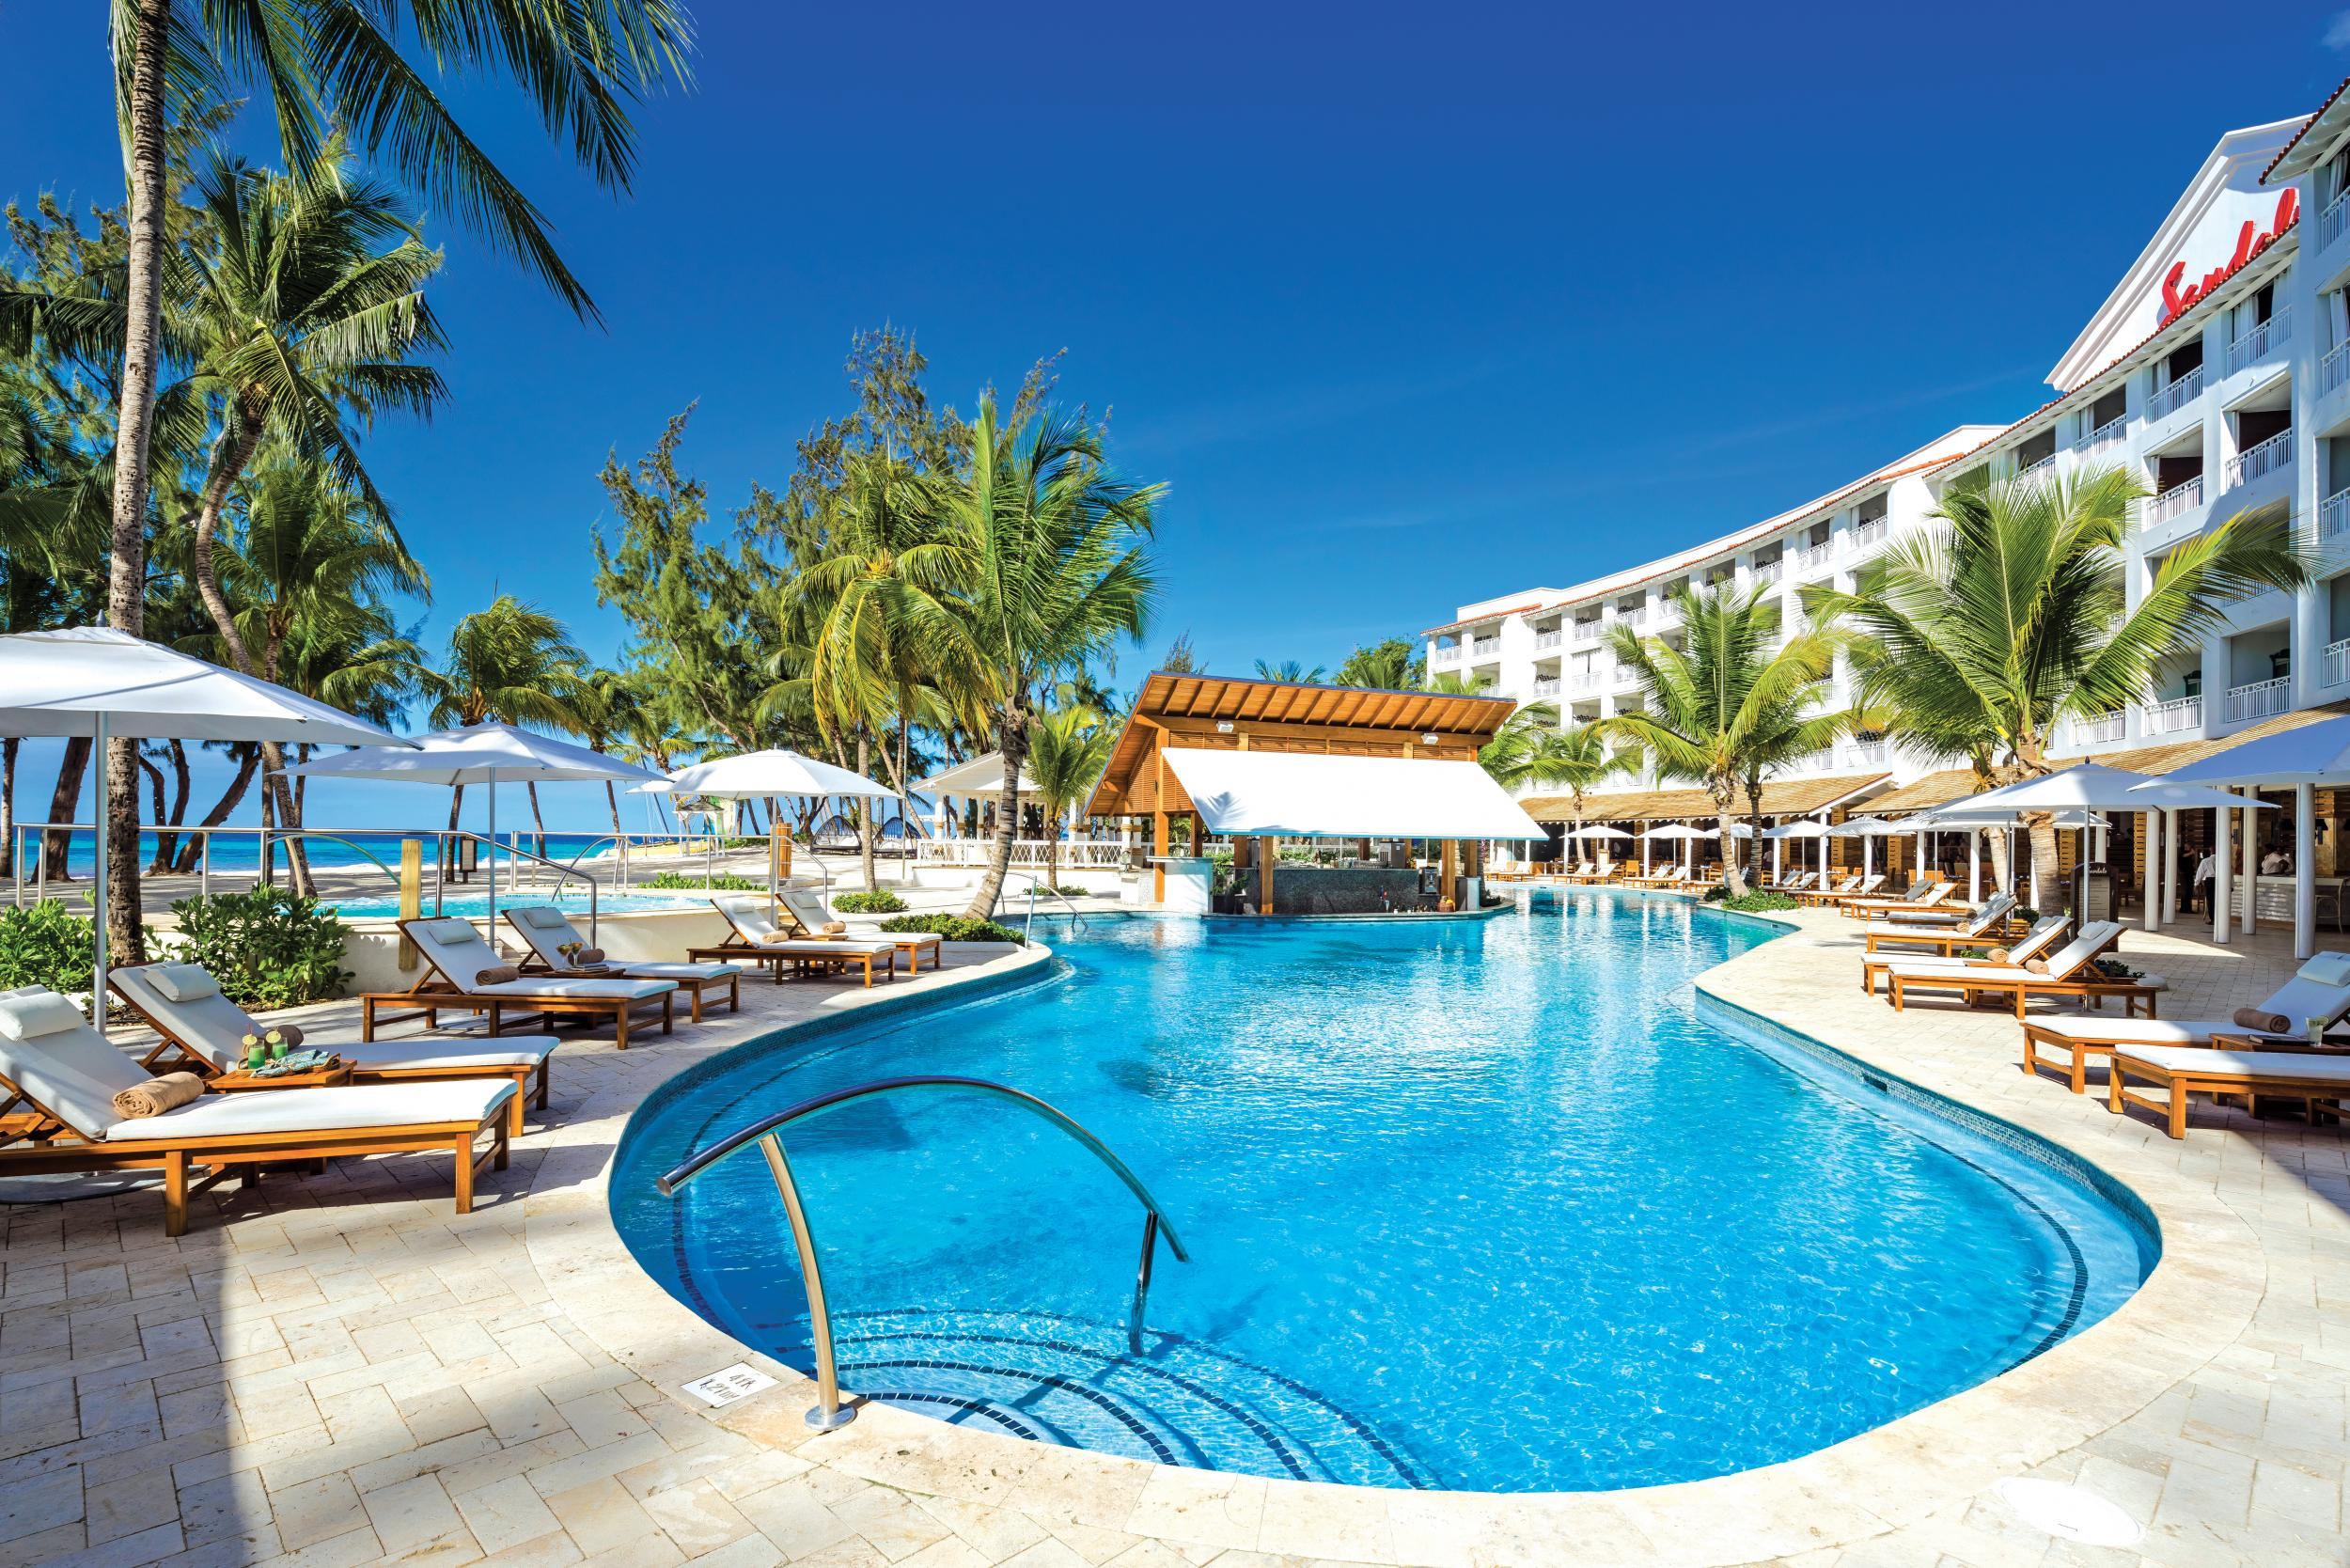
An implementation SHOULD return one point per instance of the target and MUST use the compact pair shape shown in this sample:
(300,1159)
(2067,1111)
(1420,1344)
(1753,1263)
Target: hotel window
(2337,177)
(2106,409)
(2185,360)
(2037,449)
(1818,536)
(1872,510)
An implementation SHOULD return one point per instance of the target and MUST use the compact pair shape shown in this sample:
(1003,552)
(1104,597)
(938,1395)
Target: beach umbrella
(486,754)
(1680,830)
(105,684)
(1599,832)
(758,774)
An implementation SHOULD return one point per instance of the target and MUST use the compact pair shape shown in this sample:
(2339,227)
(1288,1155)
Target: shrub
(687,882)
(46,944)
(954,928)
(267,947)
(1759,903)
(879,902)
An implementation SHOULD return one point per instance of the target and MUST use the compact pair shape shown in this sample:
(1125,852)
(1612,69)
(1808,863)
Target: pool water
(1475,1205)
(476,902)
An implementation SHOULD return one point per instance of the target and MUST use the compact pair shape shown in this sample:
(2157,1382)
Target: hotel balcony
(2333,221)
(1551,639)
(2257,700)
(2104,729)
(1664,614)
(2333,516)
(2259,341)
(2176,501)
(1768,571)
(2176,396)
(1586,632)
(1485,648)
(1446,655)
(1869,535)
(1813,559)
(1866,754)
(2333,668)
(2037,467)
(2107,436)
(2265,457)
(2333,369)
(1547,686)
(2171,718)
(1586,680)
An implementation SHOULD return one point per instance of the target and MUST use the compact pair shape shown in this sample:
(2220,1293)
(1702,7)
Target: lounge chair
(1800,882)
(1918,901)
(544,929)
(1663,876)
(204,1030)
(755,937)
(809,917)
(1970,928)
(2042,938)
(455,956)
(2319,989)
(67,1074)
(1853,886)
(2321,1079)
(2072,972)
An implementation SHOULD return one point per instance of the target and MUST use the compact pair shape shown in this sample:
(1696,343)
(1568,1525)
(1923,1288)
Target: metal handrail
(1035,886)
(828,1413)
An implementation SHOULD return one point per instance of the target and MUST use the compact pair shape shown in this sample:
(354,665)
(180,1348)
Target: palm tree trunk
(538,823)
(248,759)
(167,844)
(64,802)
(2045,894)
(1724,823)
(277,789)
(612,798)
(134,429)
(1011,739)
(8,804)
(865,807)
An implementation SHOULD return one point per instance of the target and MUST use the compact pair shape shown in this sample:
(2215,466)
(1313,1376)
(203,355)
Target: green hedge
(1759,904)
(685,881)
(267,947)
(46,944)
(879,902)
(954,928)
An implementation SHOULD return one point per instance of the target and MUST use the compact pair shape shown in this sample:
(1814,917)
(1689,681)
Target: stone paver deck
(339,1370)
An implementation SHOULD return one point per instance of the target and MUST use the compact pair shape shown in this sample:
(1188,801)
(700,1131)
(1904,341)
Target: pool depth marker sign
(2249,241)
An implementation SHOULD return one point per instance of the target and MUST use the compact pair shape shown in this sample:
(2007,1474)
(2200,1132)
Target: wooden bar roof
(1781,797)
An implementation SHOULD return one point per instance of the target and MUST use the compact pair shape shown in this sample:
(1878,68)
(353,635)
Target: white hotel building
(2219,369)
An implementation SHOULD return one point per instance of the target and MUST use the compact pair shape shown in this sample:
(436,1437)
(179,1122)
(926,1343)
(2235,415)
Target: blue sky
(1408,307)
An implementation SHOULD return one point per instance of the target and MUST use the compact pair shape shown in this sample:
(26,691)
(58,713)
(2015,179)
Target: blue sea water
(1469,1204)
(241,851)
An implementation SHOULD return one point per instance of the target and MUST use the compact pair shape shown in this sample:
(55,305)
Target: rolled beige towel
(587,958)
(498,974)
(2262,1021)
(2001,956)
(158,1095)
(2036,966)
(835,928)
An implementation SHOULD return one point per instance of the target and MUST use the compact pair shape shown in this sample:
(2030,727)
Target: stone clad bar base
(338,1369)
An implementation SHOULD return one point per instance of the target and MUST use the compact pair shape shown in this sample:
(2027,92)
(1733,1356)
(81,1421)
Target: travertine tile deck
(337,1369)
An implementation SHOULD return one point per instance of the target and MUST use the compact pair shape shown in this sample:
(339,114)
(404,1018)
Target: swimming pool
(1479,1205)
(475,903)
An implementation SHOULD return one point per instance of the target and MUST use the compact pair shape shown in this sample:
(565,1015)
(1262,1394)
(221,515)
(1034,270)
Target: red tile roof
(2286,151)
(1481,620)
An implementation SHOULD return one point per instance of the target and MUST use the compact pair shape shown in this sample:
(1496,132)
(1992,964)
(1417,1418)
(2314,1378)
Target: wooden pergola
(1227,712)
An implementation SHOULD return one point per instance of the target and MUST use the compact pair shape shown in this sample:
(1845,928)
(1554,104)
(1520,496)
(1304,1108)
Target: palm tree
(328,63)
(1531,750)
(1392,664)
(509,663)
(1048,549)
(1070,748)
(1730,704)
(1291,672)
(1977,636)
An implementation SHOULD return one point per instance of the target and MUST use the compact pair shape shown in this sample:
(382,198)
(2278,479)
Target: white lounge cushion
(749,914)
(314,1111)
(426,1052)
(450,930)
(543,917)
(2327,968)
(44,1012)
(655,970)
(183,982)
(548,985)
(73,1071)
(2249,1064)
(2092,1029)
(830,945)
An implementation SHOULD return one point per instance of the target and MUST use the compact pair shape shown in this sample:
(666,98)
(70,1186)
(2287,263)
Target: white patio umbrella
(2313,755)
(1803,827)
(478,753)
(755,774)
(95,681)
(2084,788)
(1599,831)
(1680,830)
(1865,829)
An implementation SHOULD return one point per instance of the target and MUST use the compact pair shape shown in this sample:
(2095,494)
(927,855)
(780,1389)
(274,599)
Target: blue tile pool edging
(1753,1028)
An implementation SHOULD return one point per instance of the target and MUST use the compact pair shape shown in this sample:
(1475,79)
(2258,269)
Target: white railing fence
(2255,341)
(1103,855)
(2178,499)
(2334,668)
(2102,730)
(2259,700)
(2331,221)
(2169,718)
(2264,457)
(2107,435)
(2176,396)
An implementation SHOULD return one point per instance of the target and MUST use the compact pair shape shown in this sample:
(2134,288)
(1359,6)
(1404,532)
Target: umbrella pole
(493,856)
(98,982)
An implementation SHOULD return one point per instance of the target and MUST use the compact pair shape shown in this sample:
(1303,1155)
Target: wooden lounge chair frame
(910,943)
(2323,1095)
(435,994)
(2022,988)
(693,985)
(51,1145)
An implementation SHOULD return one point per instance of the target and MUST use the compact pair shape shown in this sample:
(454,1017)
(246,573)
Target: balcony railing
(2040,466)
(1869,535)
(2333,515)
(2259,699)
(2177,395)
(1449,655)
(2265,457)
(2104,729)
(2169,718)
(2331,221)
(1586,631)
(1546,687)
(2177,500)
(1815,558)
(2255,341)
(1769,572)
(2333,369)
(1665,614)
(2107,434)
(1486,647)
(1551,639)
(2334,666)
(1866,754)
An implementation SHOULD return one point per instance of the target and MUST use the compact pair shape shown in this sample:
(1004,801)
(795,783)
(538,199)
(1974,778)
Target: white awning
(982,775)
(1315,795)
